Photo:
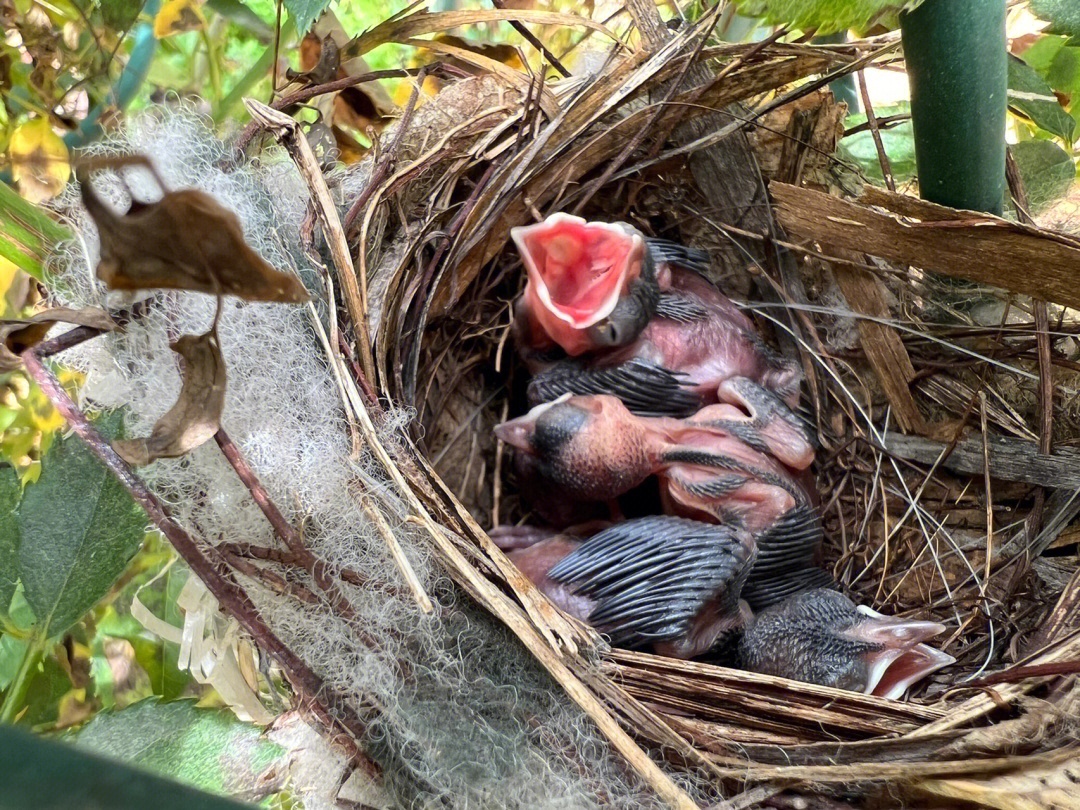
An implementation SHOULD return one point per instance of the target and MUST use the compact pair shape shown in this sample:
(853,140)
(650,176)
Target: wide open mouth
(904,659)
(897,670)
(579,269)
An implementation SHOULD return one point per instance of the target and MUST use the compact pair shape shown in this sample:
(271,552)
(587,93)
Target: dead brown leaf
(196,416)
(185,241)
(17,336)
(361,107)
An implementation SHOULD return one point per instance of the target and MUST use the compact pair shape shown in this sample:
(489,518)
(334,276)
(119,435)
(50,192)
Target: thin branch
(532,39)
(282,528)
(81,334)
(311,692)
(871,120)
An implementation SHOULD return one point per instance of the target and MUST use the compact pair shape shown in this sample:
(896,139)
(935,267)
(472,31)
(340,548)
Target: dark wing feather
(645,389)
(680,308)
(786,559)
(650,577)
(663,250)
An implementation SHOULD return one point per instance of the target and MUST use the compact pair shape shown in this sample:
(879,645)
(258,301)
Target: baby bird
(591,285)
(697,340)
(594,449)
(658,582)
(819,636)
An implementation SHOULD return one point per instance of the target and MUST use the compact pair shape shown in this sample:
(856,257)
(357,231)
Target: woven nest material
(729,148)
(901,365)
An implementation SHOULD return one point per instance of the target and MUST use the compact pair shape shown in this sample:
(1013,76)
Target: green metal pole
(957,66)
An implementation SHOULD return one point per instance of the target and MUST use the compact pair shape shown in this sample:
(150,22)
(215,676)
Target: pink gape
(694,341)
(577,271)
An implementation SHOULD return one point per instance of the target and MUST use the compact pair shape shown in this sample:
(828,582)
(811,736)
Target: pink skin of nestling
(577,272)
(604,451)
(722,345)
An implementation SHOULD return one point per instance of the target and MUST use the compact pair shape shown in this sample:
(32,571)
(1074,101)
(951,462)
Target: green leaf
(1064,15)
(206,748)
(10,535)
(1031,95)
(1063,74)
(12,652)
(120,15)
(1047,170)
(48,684)
(1042,52)
(41,773)
(826,16)
(79,530)
(899,143)
(305,12)
(30,215)
(244,16)
(157,657)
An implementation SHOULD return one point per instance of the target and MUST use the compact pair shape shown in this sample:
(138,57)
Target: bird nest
(936,379)
(926,394)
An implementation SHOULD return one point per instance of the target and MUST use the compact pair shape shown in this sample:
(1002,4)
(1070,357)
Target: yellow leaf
(177,16)
(39,160)
(7,275)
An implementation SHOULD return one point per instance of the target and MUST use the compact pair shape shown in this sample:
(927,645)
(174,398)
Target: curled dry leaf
(361,107)
(196,416)
(184,241)
(17,336)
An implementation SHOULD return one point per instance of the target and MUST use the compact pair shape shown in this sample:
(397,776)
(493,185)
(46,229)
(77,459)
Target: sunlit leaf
(826,16)
(1042,52)
(7,276)
(80,528)
(178,16)
(899,143)
(39,160)
(1063,74)
(207,748)
(1030,94)
(305,12)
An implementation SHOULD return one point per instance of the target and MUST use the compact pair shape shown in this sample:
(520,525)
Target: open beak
(577,270)
(903,659)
